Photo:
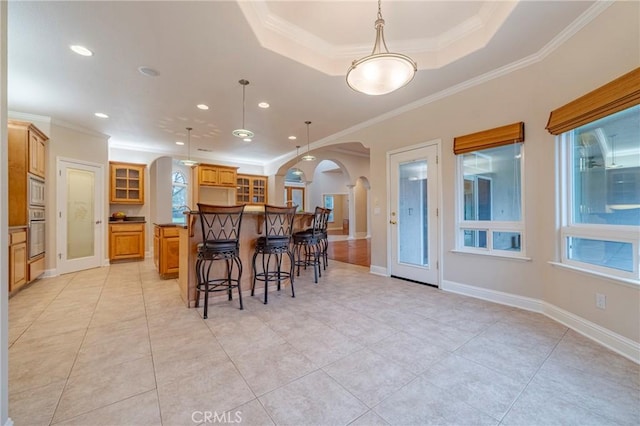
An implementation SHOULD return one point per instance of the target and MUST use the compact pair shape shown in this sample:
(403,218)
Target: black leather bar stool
(220,242)
(307,246)
(272,246)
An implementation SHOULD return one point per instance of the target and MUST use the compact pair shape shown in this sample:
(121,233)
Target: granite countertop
(169,225)
(135,219)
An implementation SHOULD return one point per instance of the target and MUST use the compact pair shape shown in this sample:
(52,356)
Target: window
(490,219)
(601,195)
(179,199)
(328,204)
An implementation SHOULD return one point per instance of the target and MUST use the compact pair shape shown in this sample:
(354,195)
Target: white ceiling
(294,53)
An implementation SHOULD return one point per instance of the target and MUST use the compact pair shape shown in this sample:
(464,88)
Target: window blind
(619,94)
(491,138)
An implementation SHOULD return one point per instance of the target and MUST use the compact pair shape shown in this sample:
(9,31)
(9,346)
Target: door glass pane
(80,213)
(412,222)
(297,196)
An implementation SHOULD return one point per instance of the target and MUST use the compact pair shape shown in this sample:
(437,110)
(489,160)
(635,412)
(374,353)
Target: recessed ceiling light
(203,107)
(247,139)
(81,50)
(263,105)
(101,115)
(293,138)
(179,143)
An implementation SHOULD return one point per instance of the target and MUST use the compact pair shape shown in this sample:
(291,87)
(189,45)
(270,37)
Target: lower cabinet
(166,250)
(36,267)
(126,241)
(18,257)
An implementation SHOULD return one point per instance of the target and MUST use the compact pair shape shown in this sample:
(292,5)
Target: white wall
(160,196)
(603,50)
(4,228)
(326,180)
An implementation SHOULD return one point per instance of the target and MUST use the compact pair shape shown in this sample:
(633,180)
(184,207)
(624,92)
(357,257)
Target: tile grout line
(80,346)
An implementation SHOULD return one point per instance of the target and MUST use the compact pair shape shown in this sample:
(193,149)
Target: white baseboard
(378,270)
(503,298)
(50,273)
(617,343)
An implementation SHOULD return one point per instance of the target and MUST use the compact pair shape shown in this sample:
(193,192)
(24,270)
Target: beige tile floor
(116,346)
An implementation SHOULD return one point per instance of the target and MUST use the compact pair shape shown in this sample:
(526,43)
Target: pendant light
(189,162)
(243,133)
(381,72)
(308,157)
(613,153)
(296,171)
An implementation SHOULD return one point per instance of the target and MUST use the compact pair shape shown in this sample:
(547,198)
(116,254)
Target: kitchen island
(191,235)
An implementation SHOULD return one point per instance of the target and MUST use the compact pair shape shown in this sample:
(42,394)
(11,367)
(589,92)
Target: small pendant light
(308,157)
(189,162)
(296,171)
(243,133)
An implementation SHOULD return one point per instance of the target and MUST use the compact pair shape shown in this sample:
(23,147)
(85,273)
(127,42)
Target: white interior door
(80,216)
(413,215)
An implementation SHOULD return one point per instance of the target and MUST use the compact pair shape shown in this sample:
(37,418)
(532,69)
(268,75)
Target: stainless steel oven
(36,232)
(36,191)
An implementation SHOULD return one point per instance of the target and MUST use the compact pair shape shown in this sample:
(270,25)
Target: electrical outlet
(601,301)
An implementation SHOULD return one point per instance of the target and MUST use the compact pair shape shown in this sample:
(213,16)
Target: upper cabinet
(26,157)
(212,175)
(252,189)
(127,183)
(37,148)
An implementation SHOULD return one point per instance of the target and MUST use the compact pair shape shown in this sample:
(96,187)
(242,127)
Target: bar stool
(278,228)
(307,246)
(324,237)
(220,242)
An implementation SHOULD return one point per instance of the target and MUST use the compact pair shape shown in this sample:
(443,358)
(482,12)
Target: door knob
(98,222)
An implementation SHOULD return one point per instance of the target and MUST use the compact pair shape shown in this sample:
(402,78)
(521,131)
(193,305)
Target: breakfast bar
(190,236)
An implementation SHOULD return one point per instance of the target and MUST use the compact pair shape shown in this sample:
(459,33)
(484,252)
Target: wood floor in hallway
(356,252)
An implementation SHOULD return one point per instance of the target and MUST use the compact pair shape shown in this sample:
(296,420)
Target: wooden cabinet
(126,241)
(35,268)
(251,189)
(166,250)
(26,154)
(212,175)
(127,183)
(17,258)
(37,153)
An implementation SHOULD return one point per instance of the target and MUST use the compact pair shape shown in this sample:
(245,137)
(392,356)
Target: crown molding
(15,115)
(290,40)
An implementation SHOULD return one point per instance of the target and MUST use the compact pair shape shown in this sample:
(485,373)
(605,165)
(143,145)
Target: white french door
(413,214)
(80,216)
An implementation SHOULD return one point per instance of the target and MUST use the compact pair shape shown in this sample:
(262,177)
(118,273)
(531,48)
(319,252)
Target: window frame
(490,226)
(568,228)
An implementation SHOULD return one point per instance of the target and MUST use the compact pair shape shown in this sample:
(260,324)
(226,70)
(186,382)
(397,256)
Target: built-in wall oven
(36,232)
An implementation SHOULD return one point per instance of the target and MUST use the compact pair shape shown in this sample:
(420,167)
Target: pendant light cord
(243,103)
(189,129)
(307,123)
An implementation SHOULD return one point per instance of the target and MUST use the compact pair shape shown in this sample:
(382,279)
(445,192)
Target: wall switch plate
(601,301)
